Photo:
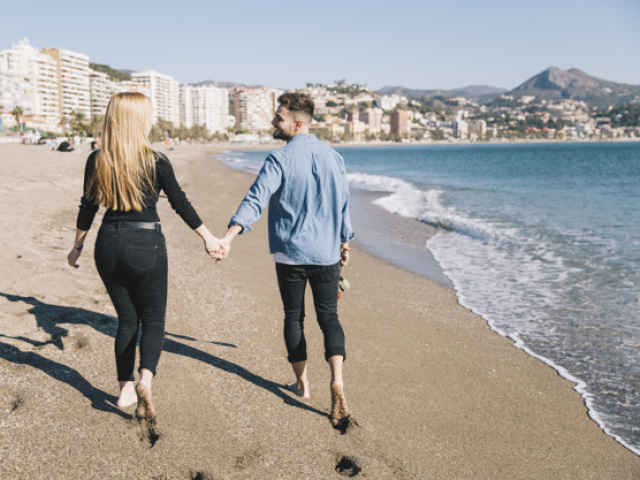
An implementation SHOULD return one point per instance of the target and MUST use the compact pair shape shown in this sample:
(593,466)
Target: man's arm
(266,183)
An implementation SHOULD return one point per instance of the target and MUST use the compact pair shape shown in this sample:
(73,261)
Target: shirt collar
(301,136)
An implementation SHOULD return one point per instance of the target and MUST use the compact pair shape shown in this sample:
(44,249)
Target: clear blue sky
(417,44)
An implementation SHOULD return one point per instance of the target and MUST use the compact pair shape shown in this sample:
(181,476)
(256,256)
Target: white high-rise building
(186,105)
(74,87)
(254,108)
(131,86)
(102,89)
(164,93)
(37,83)
(210,107)
(204,105)
(13,93)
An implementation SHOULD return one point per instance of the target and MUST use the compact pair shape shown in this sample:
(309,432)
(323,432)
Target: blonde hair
(125,166)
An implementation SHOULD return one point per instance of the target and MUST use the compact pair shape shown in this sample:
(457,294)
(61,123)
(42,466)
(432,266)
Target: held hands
(212,246)
(225,247)
(225,242)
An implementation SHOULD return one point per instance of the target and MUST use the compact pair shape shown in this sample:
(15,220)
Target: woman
(126,176)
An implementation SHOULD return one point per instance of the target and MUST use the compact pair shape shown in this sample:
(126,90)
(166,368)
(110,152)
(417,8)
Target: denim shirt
(306,188)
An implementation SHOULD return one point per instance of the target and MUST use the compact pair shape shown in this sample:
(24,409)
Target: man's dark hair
(297,102)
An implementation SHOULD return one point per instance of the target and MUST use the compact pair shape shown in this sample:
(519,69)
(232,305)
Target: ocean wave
(409,201)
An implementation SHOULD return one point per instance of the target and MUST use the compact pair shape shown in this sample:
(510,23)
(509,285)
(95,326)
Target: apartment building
(30,80)
(399,122)
(478,129)
(14,93)
(204,105)
(74,82)
(211,108)
(186,105)
(355,128)
(372,117)
(102,89)
(131,86)
(255,107)
(164,92)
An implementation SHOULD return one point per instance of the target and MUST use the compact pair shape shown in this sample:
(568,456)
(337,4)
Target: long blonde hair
(125,167)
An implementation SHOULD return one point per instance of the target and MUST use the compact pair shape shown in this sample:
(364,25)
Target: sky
(419,44)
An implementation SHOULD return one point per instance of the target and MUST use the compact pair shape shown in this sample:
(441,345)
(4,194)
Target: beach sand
(436,393)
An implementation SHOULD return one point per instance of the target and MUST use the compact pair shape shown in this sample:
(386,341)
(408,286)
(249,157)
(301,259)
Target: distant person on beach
(304,183)
(65,146)
(95,145)
(126,176)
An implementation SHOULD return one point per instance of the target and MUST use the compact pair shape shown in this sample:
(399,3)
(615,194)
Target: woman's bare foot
(128,395)
(145,404)
(300,389)
(339,410)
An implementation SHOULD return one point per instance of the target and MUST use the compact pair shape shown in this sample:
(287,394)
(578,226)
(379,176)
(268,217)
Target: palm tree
(17,112)
(76,122)
(95,128)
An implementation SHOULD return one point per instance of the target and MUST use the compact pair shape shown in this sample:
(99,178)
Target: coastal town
(54,93)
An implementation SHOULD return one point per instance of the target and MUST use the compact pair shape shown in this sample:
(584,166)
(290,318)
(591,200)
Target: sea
(542,240)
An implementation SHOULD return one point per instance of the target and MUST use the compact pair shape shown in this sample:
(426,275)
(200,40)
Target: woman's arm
(86,213)
(78,245)
(211,242)
(181,205)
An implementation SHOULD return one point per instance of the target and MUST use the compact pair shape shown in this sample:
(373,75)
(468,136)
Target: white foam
(407,200)
(376,183)
(239,161)
(489,281)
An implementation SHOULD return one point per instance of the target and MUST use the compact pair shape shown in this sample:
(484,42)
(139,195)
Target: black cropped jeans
(132,263)
(292,280)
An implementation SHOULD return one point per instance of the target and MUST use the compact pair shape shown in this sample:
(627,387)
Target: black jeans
(292,280)
(132,263)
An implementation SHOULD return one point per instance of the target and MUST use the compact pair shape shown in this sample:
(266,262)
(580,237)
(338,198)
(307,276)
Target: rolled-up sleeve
(346,232)
(267,182)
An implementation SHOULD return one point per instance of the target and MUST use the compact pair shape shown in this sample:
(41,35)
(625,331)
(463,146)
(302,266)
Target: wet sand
(436,393)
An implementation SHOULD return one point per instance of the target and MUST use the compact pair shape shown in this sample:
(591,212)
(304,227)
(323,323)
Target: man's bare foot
(299,389)
(339,409)
(128,395)
(145,404)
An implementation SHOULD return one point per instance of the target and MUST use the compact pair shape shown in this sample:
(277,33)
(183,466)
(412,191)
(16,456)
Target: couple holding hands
(304,183)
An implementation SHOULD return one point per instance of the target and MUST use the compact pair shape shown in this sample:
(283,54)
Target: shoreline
(410,253)
(436,393)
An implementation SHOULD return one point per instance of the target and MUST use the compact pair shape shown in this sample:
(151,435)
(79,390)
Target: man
(305,185)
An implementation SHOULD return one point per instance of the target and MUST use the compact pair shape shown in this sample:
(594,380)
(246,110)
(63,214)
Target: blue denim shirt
(306,188)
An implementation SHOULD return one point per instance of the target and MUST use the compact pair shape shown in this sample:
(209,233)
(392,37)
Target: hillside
(555,84)
(476,93)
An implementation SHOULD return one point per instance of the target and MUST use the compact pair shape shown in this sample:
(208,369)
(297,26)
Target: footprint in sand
(148,432)
(348,467)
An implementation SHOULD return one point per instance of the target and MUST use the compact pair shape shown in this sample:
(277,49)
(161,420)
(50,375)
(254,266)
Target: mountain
(224,84)
(555,84)
(476,93)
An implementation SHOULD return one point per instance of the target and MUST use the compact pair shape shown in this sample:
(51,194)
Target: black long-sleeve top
(165,180)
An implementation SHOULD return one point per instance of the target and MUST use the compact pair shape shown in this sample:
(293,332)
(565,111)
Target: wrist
(78,246)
